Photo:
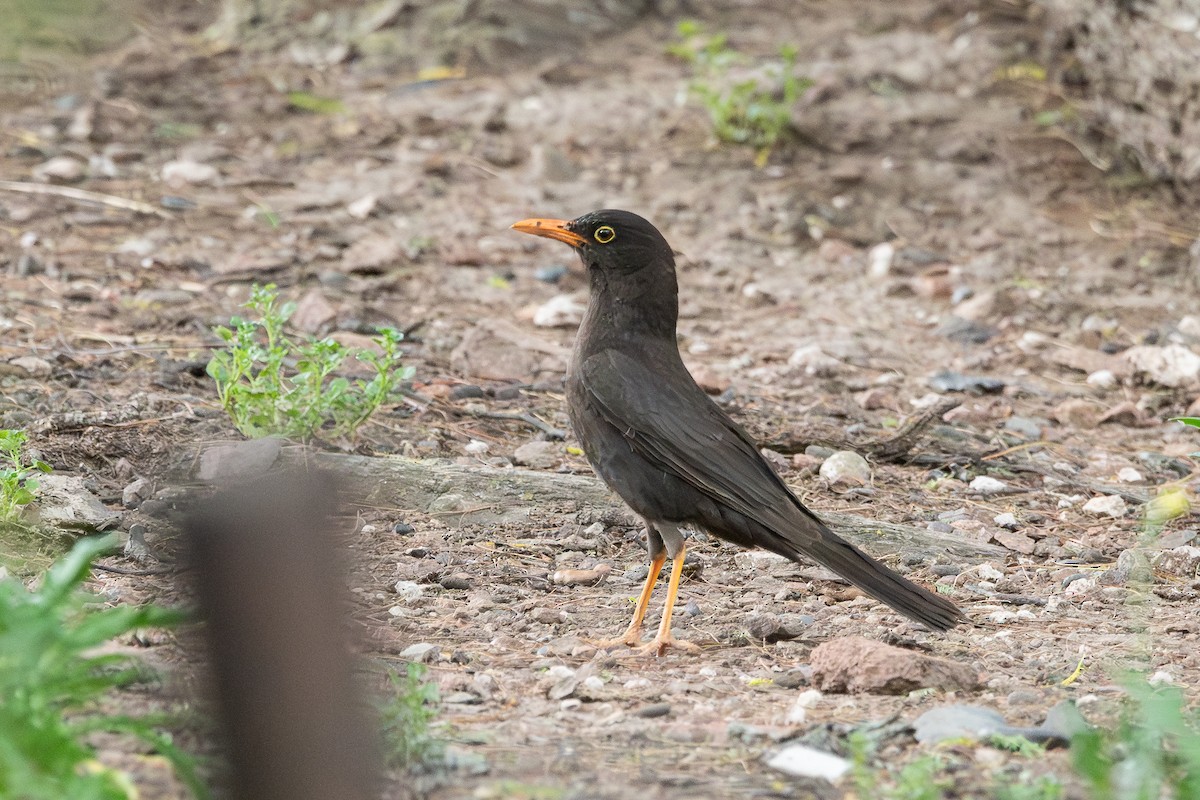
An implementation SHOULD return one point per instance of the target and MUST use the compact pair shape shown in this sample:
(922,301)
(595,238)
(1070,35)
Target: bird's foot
(629,638)
(659,645)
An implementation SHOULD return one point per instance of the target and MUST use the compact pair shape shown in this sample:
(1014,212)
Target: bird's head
(611,243)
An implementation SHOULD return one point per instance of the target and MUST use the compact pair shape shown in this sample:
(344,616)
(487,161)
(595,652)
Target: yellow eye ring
(604,234)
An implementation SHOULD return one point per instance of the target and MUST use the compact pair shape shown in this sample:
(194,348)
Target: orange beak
(551,229)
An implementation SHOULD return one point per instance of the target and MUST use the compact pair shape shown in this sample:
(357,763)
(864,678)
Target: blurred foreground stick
(273,596)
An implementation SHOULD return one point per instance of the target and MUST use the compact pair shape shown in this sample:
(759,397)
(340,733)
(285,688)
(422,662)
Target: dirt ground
(1015,259)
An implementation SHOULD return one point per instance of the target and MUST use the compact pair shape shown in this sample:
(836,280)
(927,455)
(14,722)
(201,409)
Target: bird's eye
(604,234)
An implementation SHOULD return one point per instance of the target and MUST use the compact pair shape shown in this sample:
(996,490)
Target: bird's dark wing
(673,424)
(669,421)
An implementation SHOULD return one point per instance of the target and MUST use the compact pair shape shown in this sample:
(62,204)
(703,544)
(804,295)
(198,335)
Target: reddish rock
(853,664)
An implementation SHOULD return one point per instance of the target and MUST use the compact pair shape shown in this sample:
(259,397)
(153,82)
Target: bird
(672,454)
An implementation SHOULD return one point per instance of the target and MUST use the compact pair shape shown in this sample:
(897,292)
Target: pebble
(60,169)
(1129,475)
(1173,366)
(802,761)
(1024,697)
(985,484)
(408,590)
(1106,506)
(815,363)
(798,713)
(538,454)
(560,311)
(653,710)
(465,391)
(422,651)
(456,581)
(845,467)
(475,447)
(403,528)
(1015,541)
(552,274)
(136,493)
(176,173)
(1007,520)
(1102,379)
(1028,427)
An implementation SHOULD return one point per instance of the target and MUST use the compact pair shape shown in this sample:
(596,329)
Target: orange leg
(664,639)
(633,634)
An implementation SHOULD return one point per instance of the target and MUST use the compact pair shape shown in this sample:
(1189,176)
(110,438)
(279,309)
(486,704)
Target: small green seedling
(271,384)
(18,476)
(405,717)
(754,111)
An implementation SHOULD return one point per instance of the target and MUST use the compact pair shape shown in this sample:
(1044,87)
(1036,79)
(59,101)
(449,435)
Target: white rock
(408,590)
(1173,366)
(537,454)
(1189,326)
(845,466)
(799,710)
(60,169)
(880,258)
(362,207)
(560,311)
(985,484)
(176,173)
(1106,506)
(1129,475)
(593,682)
(814,361)
(1160,678)
(475,447)
(33,365)
(987,572)
(808,762)
(1081,586)
(1102,379)
(1007,520)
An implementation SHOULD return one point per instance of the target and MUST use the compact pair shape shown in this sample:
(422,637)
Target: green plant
(18,479)
(1154,752)
(1025,787)
(263,396)
(405,718)
(916,780)
(52,677)
(754,111)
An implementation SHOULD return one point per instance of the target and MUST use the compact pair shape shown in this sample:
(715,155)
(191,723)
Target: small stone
(136,493)
(880,258)
(1007,520)
(987,572)
(1129,475)
(653,710)
(1027,427)
(560,311)
(65,502)
(708,380)
(1076,413)
(1102,379)
(549,616)
(815,363)
(1173,365)
(447,502)
(456,581)
(576,577)
(475,447)
(845,467)
(240,460)
(1182,562)
(1024,697)
(538,454)
(179,173)
(403,528)
(798,713)
(985,484)
(408,590)
(33,365)
(60,169)
(854,664)
(1015,541)
(794,678)
(466,391)
(802,761)
(1106,506)
(421,652)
